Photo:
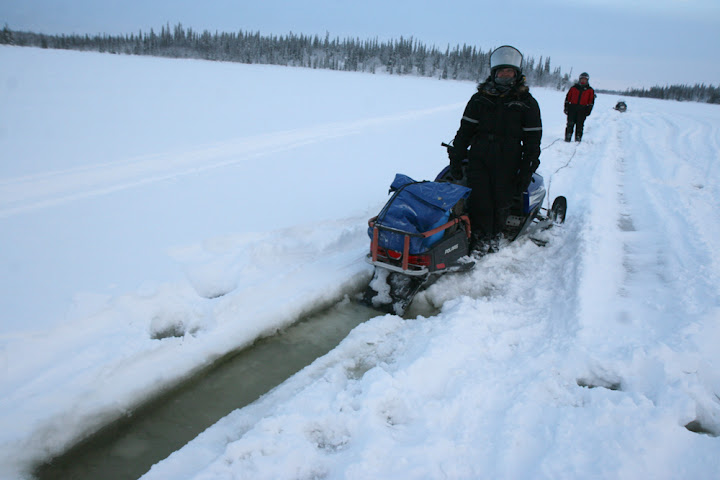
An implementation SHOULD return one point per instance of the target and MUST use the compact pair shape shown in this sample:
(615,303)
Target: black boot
(494,244)
(577,138)
(479,245)
(568,137)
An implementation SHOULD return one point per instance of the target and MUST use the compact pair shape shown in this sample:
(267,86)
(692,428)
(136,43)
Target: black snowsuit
(503,131)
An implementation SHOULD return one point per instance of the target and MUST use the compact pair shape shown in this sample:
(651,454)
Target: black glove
(565,109)
(456,169)
(526,175)
(456,153)
(523,181)
(456,156)
(589,110)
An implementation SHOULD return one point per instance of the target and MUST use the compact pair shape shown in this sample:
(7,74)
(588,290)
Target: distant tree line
(697,93)
(406,56)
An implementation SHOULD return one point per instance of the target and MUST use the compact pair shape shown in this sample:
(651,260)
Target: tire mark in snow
(668,187)
(27,193)
(670,262)
(645,225)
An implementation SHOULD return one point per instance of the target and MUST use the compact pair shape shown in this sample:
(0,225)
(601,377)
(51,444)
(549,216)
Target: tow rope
(556,171)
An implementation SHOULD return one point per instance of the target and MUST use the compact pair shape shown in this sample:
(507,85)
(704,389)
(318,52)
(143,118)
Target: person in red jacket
(579,103)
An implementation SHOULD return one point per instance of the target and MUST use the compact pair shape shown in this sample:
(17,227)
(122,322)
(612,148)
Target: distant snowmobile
(424,231)
(620,106)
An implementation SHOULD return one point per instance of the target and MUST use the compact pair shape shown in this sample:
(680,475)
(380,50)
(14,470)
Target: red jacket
(578,95)
(580,99)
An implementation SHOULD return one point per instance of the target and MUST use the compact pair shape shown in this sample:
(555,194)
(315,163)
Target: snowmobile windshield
(506,56)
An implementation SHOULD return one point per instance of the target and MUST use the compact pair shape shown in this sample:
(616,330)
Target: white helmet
(506,56)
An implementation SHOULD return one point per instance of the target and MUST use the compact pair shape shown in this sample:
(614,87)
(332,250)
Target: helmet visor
(506,56)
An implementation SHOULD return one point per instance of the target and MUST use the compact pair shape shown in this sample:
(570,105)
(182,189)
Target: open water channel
(128,447)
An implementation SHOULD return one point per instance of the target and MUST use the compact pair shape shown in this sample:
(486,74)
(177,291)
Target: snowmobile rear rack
(413,264)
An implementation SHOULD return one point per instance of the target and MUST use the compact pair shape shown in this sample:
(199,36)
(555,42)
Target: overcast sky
(620,43)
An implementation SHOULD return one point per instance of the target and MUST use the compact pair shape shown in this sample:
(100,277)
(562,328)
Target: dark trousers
(493,187)
(575,121)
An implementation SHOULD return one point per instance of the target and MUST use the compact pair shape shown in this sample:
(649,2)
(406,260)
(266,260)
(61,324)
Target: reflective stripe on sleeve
(471,120)
(532,129)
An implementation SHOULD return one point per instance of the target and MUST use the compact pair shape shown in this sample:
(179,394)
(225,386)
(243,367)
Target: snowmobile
(424,231)
(620,106)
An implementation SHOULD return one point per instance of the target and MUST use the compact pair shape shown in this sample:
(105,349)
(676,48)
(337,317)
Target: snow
(157,214)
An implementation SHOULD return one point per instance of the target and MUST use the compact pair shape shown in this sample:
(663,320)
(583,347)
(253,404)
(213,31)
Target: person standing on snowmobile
(501,124)
(579,103)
